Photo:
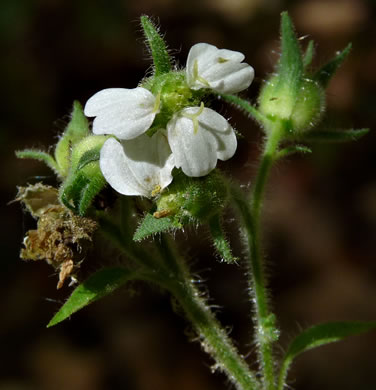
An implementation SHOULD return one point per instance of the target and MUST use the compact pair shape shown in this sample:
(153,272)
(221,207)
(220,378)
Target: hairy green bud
(190,198)
(85,179)
(300,110)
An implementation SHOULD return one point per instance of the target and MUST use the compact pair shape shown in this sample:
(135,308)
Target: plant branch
(213,337)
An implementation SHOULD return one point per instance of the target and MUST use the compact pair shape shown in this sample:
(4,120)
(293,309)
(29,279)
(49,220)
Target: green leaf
(309,53)
(320,335)
(77,129)
(331,136)
(35,154)
(293,149)
(157,46)
(290,68)
(97,286)
(219,239)
(324,74)
(151,225)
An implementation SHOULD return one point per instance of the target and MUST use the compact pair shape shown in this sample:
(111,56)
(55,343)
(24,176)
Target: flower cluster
(156,128)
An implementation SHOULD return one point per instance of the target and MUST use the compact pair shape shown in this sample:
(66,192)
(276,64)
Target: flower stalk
(266,332)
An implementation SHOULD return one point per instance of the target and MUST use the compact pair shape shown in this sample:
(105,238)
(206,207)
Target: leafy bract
(97,286)
(151,225)
(320,335)
(333,136)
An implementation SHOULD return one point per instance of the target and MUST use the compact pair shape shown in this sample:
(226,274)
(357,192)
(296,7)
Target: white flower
(141,166)
(218,69)
(125,113)
(198,137)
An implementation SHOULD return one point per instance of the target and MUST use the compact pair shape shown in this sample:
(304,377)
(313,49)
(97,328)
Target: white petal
(125,113)
(196,150)
(219,69)
(137,167)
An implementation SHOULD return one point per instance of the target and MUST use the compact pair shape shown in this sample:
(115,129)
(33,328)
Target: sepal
(77,129)
(85,179)
(323,75)
(157,46)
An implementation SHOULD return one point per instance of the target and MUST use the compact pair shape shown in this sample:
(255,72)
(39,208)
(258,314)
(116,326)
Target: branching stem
(212,336)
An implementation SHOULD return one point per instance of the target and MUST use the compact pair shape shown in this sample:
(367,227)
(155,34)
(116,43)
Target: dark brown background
(321,209)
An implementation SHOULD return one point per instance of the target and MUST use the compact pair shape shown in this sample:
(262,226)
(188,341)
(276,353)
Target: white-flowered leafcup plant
(161,140)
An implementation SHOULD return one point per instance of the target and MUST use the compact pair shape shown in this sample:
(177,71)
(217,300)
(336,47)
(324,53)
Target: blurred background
(320,210)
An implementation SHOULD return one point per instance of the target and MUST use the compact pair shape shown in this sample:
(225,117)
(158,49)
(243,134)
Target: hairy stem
(266,332)
(213,337)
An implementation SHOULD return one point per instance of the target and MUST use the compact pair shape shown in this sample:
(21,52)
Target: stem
(283,374)
(266,333)
(134,253)
(214,338)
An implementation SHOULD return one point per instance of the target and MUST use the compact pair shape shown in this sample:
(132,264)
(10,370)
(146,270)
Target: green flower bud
(300,111)
(85,179)
(193,198)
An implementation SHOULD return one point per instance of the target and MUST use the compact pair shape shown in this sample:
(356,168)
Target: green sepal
(333,136)
(309,54)
(290,67)
(220,242)
(320,335)
(85,179)
(292,149)
(77,129)
(39,155)
(151,226)
(157,46)
(97,286)
(323,75)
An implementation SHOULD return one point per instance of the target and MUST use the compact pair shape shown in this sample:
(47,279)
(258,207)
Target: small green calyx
(193,199)
(85,179)
(300,110)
